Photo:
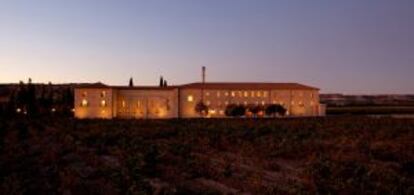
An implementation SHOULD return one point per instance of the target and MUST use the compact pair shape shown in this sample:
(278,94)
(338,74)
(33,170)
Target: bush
(234,110)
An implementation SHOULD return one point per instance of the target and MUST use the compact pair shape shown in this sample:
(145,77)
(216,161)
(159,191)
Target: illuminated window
(246,94)
(233,93)
(103,94)
(190,98)
(311,95)
(139,103)
(226,102)
(103,103)
(265,94)
(240,93)
(263,102)
(252,93)
(226,93)
(207,93)
(293,102)
(84,94)
(221,112)
(259,94)
(208,102)
(84,103)
(123,104)
(218,94)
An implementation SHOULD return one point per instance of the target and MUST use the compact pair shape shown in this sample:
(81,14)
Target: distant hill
(367,100)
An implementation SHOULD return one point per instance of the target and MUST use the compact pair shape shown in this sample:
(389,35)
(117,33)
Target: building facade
(180,101)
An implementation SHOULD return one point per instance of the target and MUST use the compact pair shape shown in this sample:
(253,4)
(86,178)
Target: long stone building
(149,102)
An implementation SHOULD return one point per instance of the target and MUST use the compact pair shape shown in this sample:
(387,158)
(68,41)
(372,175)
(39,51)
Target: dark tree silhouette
(131,82)
(201,108)
(235,110)
(161,81)
(32,107)
(165,83)
(255,109)
(273,109)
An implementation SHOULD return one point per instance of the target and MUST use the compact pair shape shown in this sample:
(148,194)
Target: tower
(203,79)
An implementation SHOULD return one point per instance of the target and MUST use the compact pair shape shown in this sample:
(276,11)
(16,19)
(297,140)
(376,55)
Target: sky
(352,46)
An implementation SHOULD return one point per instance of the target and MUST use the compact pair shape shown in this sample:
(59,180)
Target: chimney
(204,74)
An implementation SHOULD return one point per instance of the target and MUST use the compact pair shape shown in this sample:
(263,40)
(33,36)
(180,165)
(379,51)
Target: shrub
(235,110)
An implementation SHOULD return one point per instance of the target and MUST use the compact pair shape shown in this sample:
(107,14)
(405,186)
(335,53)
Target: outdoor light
(190,98)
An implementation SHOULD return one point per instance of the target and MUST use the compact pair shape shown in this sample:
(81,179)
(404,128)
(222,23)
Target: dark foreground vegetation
(343,155)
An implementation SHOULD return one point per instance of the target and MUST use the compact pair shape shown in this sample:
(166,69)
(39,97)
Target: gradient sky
(349,46)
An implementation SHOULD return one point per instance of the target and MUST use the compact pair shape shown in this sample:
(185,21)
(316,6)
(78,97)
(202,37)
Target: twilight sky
(349,46)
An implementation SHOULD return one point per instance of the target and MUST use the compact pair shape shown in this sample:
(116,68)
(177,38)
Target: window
(218,94)
(103,103)
(207,93)
(311,95)
(245,102)
(208,102)
(263,102)
(233,93)
(259,94)
(226,102)
(246,94)
(103,94)
(240,94)
(226,93)
(84,94)
(123,104)
(84,103)
(190,98)
(265,94)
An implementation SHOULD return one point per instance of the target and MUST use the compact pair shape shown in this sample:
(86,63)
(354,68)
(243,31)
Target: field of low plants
(331,155)
(370,110)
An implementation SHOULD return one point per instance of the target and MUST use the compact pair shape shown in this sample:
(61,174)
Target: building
(147,102)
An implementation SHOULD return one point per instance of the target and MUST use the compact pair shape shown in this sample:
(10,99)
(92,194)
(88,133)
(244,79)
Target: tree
(235,110)
(161,81)
(131,82)
(31,98)
(201,108)
(165,83)
(273,109)
(255,109)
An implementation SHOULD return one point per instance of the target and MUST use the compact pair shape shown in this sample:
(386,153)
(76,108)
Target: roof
(91,85)
(230,85)
(210,85)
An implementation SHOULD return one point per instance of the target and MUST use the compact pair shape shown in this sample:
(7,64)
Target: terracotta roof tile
(229,85)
